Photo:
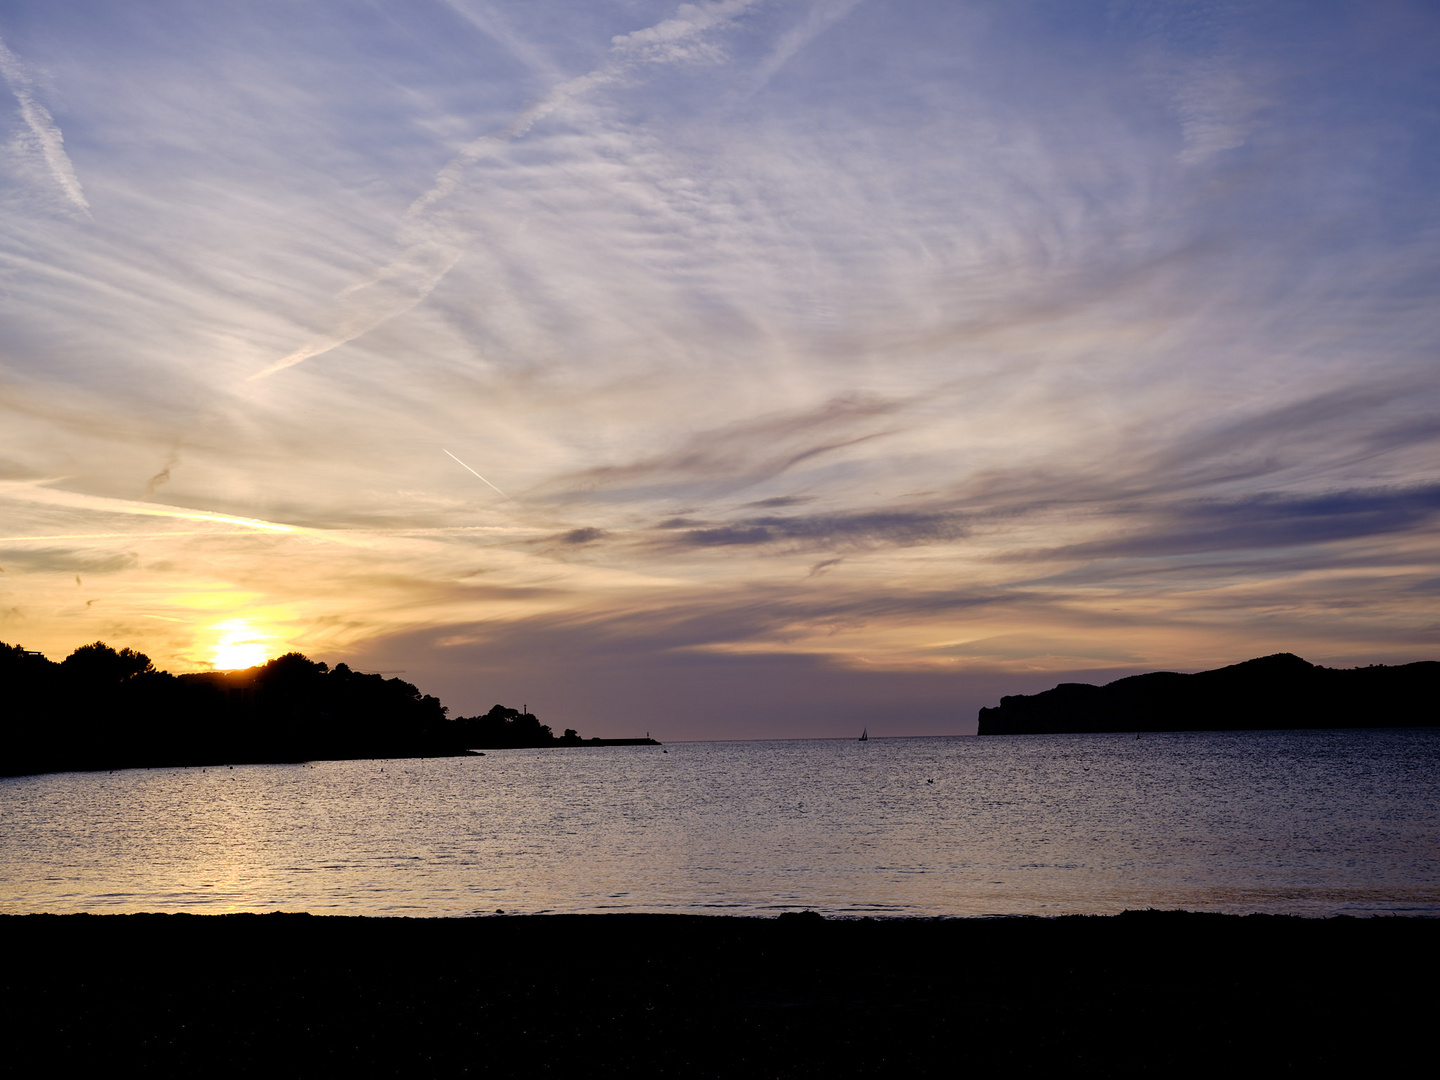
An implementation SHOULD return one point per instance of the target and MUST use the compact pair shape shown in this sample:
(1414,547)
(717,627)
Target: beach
(1143,993)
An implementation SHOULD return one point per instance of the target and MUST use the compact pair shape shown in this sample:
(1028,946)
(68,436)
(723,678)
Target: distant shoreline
(481,752)
(1271,693)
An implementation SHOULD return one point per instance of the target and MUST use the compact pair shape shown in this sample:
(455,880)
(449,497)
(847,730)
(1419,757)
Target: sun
(240,646)
(240,655)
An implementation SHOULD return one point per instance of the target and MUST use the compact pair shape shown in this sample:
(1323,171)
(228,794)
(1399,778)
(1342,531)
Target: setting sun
(240,647)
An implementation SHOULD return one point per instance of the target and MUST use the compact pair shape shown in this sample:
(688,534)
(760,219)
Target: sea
(1313,823)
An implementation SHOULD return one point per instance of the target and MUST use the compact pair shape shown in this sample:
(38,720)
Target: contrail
(472,471)
(427,256)
(35,491)
(822,16)
(394,290)
(489,23)
(42,125)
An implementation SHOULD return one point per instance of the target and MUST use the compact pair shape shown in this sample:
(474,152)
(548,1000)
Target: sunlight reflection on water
(1313,823)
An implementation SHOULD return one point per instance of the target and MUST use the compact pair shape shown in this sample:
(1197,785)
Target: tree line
(103,708)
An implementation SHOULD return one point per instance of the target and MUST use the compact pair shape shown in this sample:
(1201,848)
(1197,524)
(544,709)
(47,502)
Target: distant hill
(1280,691)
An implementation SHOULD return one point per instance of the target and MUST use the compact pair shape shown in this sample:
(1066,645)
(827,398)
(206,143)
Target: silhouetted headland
(1269,693)
(502,728)
(102,708)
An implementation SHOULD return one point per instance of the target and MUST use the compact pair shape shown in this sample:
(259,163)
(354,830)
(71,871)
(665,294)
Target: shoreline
(205,763)
(598,743)
(1168,992)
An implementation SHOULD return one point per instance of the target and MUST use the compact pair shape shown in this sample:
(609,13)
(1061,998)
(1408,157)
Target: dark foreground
(1151,993)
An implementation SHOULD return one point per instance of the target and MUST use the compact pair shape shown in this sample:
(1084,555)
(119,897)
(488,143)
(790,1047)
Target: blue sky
(734,368)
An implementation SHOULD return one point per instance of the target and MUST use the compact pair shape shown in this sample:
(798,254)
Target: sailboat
(864,735)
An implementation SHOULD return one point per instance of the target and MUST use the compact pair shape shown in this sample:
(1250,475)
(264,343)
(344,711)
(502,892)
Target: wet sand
(1162,993)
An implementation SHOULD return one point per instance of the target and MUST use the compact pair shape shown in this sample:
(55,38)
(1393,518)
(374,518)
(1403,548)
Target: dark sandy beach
(1145,993)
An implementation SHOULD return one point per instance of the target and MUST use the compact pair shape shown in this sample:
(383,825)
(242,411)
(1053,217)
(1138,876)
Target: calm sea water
(1312,823)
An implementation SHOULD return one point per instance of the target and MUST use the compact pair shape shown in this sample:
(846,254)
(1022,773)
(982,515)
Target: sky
(734,369)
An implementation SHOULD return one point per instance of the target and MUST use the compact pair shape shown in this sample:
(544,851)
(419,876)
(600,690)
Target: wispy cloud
(43,127)
(1199,63)
(821,15)
(39,492)
(1263,521)
(395,289)
(430,247)
(491,22)
(738,456)
(828,531)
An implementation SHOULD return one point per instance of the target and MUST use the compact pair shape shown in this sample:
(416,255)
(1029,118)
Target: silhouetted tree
(102,708)
(502,728)
(100,665)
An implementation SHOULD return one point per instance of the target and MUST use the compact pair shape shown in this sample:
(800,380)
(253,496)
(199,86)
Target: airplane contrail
(472,471)
(42,125)
(37,491)
(429,249)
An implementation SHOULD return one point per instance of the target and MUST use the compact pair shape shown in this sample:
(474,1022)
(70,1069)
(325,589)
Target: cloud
(1266,521)
(46,132)
(822,15)
(40,492)
(678,39)
(1199,60)
(1216,110)
(485,18)
(780,501)
(163,476)
(431,247)
(897,529)
(750,617)
(393,290)
(737,455)
(54,560)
